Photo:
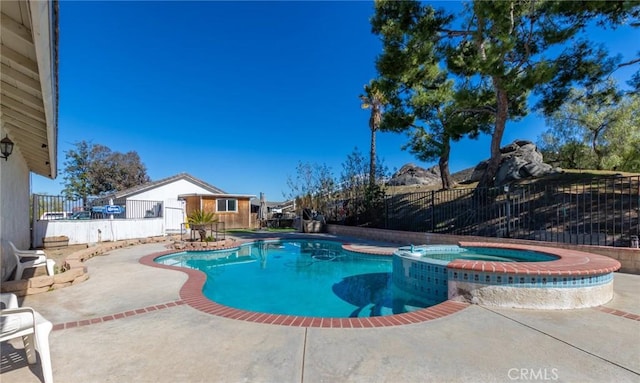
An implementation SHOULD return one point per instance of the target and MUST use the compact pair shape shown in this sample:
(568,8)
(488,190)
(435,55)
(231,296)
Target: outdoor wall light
(6,147)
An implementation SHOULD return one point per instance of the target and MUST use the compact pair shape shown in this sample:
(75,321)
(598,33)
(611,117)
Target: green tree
(596,129)
(508,49)
(373,99)
(112,171)
(93,169)
(77,173)
(417,89)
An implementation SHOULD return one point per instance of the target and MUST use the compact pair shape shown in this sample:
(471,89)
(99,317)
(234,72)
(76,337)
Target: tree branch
(454,33)
(628,63)
(485,109)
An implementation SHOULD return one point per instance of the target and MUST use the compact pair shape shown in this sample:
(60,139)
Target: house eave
(218,195)
(29,81)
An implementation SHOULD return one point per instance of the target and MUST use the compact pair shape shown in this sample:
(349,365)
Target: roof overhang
(242,196)
(29,81)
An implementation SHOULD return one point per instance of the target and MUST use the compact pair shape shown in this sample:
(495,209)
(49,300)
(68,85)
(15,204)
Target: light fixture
(6,147)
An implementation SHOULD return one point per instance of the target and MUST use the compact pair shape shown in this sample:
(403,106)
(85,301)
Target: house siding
(232,220)
(14,208)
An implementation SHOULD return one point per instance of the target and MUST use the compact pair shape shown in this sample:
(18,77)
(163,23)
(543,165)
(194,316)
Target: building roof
(29,91)
(165,181)
(217,195)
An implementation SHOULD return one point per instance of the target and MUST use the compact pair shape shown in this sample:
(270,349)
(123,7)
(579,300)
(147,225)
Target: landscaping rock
(41,281)
(37,290)
(80,279)
(71,275)
(57,286)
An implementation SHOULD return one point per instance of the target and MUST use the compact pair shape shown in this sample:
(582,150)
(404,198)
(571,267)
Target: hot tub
(505,275)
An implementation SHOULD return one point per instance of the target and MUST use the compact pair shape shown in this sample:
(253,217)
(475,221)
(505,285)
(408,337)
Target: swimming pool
(299,277)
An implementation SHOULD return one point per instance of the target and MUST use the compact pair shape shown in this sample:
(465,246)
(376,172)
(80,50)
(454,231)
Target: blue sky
(233,93)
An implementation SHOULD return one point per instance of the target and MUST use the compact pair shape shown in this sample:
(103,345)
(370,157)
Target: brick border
(191,294)
(620,313)
(191,291)
(569,262)
(124,314)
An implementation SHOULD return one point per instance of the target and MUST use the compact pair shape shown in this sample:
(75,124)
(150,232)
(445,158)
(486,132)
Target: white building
(153,209)
(28,114)
(164,191)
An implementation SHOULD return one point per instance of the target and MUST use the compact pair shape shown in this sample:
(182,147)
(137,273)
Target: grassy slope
(569,176)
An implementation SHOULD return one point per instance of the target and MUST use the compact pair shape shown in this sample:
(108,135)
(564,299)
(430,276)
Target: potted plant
(198,220)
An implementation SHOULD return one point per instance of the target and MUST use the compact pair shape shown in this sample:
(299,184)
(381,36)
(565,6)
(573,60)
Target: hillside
(566,177)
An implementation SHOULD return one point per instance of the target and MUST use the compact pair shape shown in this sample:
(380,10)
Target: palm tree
(198,220)
(375,100)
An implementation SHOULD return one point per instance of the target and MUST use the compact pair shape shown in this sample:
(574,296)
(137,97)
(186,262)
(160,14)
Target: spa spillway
(504,275)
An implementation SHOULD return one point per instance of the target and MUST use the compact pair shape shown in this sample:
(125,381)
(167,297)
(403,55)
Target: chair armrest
(9,300)
(31,256)
(33,253)
(13,323)
(18,310)
(30,253)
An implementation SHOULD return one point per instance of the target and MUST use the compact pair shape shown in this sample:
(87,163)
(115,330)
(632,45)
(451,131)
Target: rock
(537,169)
(509,170)
(411,174)
(478,171)
(520,159)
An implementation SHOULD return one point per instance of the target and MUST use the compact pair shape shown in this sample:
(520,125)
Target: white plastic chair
(34,329)
(31,258)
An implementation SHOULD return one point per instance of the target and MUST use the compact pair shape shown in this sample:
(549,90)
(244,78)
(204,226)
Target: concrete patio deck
(158,338)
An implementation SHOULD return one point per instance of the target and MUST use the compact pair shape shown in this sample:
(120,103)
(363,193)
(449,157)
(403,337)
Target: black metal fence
(206,232)
(602,211)
(48,207)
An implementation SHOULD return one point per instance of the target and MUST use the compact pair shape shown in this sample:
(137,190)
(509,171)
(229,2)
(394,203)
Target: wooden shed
(232,209)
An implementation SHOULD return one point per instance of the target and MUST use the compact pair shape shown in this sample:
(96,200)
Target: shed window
(227,205)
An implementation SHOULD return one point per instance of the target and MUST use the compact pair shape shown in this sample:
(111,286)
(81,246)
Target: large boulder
(520,159)
(411,174)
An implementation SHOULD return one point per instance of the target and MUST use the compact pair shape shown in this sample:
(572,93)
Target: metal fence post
(433,209)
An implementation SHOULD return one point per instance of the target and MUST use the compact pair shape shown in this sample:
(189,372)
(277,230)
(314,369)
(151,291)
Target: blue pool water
(447,253)
(306,278)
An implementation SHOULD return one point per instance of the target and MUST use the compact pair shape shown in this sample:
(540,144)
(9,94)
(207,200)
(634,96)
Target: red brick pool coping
(191,294)
(569,262)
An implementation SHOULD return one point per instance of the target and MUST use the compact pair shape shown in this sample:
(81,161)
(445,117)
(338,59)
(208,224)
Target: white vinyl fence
(139,219)
(97,230)
(174,216)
